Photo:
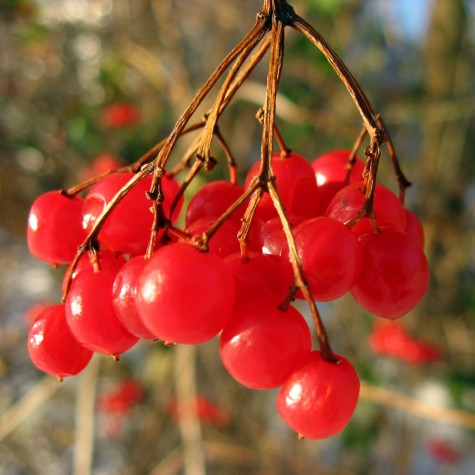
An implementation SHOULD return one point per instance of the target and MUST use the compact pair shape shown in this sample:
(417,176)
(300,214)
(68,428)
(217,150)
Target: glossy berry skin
(414,227)
(106,260)
(261,276)
(348,202)
(331,256)
(295,182)
(394,276)
(223,242)
(261,344)
(184,295)
(212,200)
(271,237)
(332,167)
(124,292)
(319,397)
(330,172)
(54,227)
(91,316)
(53,348)
(127,229)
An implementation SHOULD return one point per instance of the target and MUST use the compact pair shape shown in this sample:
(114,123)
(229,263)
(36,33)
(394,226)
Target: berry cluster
(294,230)
(189,285)
(393,340)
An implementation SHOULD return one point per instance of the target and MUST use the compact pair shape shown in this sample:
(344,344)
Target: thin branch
(217,108)
(28,404)
(232,165)
(256,31)
(395,400)
(188,422)
(202,241)
(361,101)
(101,219)
(300,279)
(265,174)
(84,420)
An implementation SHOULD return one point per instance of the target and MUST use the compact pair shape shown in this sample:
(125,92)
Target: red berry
(124,293)
(54,227)
(388,338)
(34,311)
(394,276)
(271,235)
(121,115)
(414,227)
(330,171)
(184,295)
(122,398)
(53,348)
(223,242)
(106,260)
(212,200)
(91,316)
(261,276)
(295,182)
(261,344)
(443,451)
(100,164)
(331,256)
(348,202)
(127,229)
(207,411)
(319,397)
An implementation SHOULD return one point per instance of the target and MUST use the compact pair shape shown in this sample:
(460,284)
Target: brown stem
(373,154)
(247,70)
(284,150)
(134,167)
(404,183)
(212,119)
(300,279)
(92,236)
(248,216)
(259,27)
(361,101)
(185,162)
(353,153)
(232,165)
(202,241)
(275,68)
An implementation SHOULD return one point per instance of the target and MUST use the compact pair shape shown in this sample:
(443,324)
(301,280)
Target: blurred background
(89,83)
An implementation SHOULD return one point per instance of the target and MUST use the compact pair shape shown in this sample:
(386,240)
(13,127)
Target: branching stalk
(256,31)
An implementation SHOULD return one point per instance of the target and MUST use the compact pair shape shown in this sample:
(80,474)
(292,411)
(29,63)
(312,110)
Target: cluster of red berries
(393,340)
(181,294)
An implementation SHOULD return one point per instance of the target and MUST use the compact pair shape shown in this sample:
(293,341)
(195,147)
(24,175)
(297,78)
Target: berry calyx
(332,174)
(349,201)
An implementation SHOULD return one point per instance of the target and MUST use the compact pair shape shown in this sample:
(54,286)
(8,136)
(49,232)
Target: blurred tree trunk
(445,132)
